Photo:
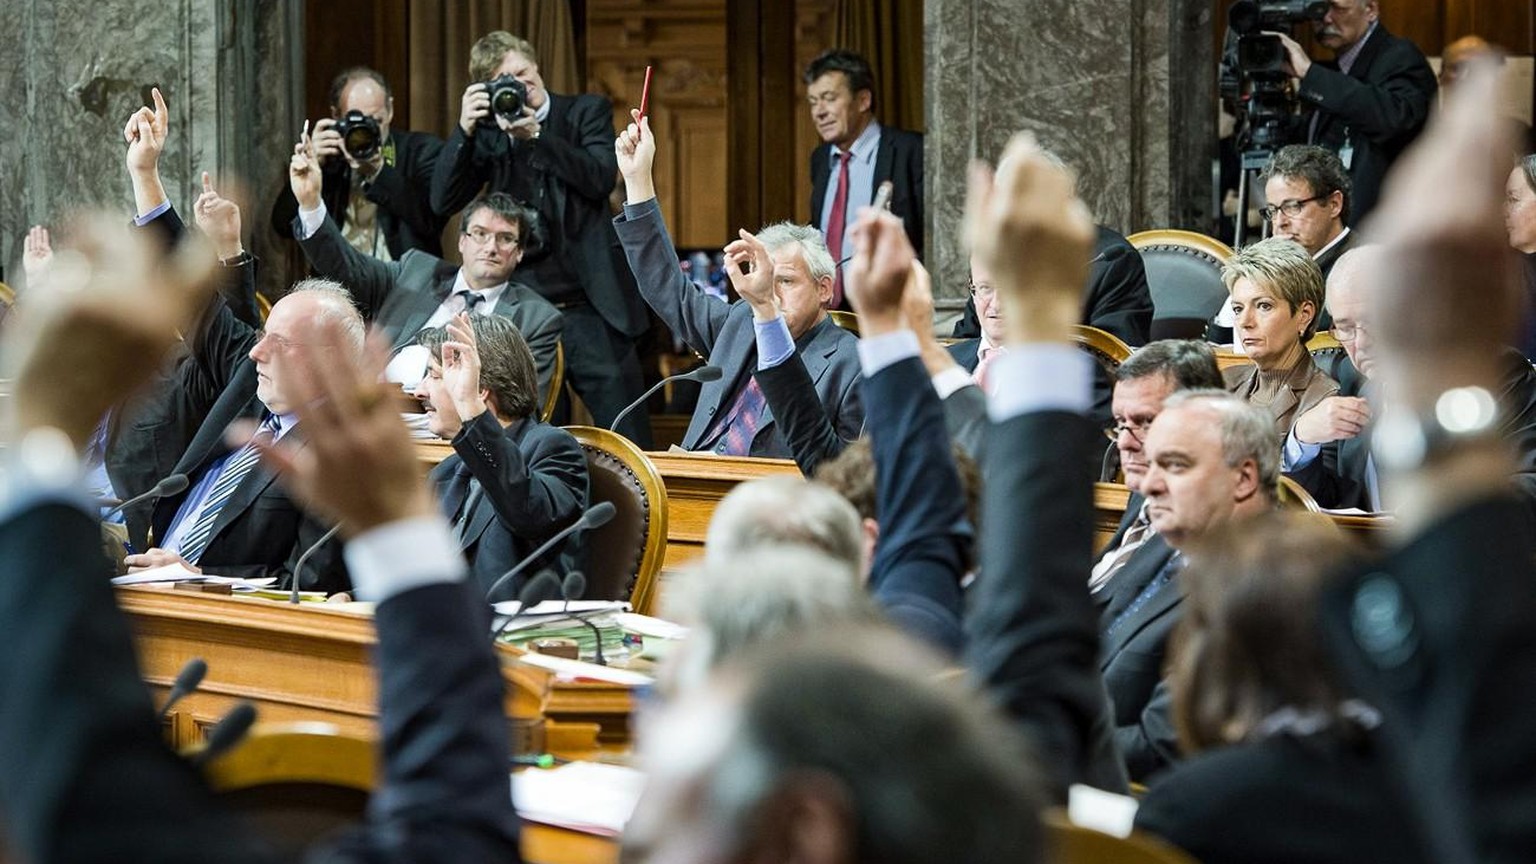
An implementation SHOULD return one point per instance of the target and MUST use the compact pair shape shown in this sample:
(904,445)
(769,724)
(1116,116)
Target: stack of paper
(582,796)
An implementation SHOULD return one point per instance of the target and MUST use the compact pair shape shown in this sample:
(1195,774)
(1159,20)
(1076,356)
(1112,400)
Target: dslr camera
(360,135)
(508,96)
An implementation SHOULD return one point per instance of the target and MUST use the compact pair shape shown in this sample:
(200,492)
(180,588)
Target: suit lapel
(735,349)
(884,159)
(1134,576)
(1169,596)
(422,306)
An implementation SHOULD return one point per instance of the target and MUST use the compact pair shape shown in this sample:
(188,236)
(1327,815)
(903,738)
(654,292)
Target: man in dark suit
(733,416)
(513,481)
(856,155)
(83,723)
(419,291)
(556,156)
(1329,450)
(1370,102)
(381,202)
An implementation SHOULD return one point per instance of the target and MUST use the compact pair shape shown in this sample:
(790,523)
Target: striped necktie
(236,468)
(1135,537)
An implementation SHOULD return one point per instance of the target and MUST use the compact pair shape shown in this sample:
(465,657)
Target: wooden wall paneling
(763,98)
(813,34)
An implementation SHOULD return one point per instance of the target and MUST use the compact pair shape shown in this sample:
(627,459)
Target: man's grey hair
(338,307)
(964,786)
(1189,363)
(812,245)
(1247,432)
(784,511)
(761,598)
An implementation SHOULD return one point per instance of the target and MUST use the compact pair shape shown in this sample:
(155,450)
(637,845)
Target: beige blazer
(1306,386)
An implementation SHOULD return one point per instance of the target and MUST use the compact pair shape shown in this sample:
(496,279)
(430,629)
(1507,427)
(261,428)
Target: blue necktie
(1174,563)
(195,542)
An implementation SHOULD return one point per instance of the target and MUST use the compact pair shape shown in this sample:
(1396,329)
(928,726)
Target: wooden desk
(695,484)
(1109,502)
(543,844)
(309,662)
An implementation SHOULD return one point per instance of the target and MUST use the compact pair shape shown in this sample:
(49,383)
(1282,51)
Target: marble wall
(1093,79)
(81,68)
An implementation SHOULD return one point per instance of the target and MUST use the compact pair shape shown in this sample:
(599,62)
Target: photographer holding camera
(1369,102)
(554,153)
(377,181)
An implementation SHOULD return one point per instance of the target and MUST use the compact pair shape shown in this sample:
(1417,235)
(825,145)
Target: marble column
(80,68)
(1121,89)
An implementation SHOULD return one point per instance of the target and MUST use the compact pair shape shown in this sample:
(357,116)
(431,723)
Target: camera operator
(377,181)
(554,153)
(1370,102)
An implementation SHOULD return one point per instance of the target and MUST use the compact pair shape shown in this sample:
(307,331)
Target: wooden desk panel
(695,484)
(1110,499)
(313,663)
(544,844)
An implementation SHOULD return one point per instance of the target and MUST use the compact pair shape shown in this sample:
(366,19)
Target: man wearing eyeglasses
(1328,451)
(420,291)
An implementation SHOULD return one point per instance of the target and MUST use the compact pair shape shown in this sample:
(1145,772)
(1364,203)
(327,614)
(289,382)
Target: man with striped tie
(233,520)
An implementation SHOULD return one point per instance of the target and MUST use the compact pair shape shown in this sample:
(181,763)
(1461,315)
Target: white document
(582,796)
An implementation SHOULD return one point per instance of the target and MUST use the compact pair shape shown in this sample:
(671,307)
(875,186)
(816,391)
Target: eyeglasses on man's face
(504,239)
(1291,207)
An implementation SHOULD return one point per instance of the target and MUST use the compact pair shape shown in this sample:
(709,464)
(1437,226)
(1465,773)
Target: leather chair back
(623,556)
(1184,273)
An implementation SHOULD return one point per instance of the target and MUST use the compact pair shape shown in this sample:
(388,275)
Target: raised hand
(476,103)
(36,255)
(525,127)
(751,272)
(304,172)
(219,218)
(145,133)
(636,150)
(461,368)
(113,308)
(1026,225)
(356,465)
(877,275)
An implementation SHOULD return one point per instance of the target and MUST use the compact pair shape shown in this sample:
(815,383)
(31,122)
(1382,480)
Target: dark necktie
(741,424)
(471,300)
(836,223)
(1163,577)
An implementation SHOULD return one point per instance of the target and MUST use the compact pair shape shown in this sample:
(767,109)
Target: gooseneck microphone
(225,734)
(298,567)
(702,375)
(542,587)
(186,681)
(171,485)
(574,586)
(596,516)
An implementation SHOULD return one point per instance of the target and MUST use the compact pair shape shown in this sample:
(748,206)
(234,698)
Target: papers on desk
(583,796)
(262,587)
(539,612)
(579,670)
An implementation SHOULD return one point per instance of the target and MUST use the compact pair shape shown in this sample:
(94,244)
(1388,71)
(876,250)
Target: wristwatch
(1405,440)
(235,261)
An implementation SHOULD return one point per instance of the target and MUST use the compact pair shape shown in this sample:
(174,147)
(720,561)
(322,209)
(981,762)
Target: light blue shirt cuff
(145,219)
(42,468)
(309,221)
(400,556)
(774,344)
(1296,454)
(1039,377)
(887,349)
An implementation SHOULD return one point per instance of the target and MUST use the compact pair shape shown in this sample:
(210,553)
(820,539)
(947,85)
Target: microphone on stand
(701,375)
(171,485)
(572,588)
(187,680)
(542,587)
(298,568)
(225,734)
(596,516)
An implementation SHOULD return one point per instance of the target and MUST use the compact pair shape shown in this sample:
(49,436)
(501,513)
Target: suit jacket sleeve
(687,311)
(920,556)
(335,186)
(1328,485)
(1389,111)
(79,741)
(443,734)
(533,498)
(965,415)
(798,413)
(405,188)
(369,279)
(460,171)
(543,338)
(587,167)
(1150,744)
(1120,300)
(237,284)
(1032,632)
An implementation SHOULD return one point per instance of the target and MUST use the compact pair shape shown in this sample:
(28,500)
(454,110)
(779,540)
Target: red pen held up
(645,100)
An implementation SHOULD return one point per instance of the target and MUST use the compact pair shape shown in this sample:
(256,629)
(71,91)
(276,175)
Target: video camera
(508,96)
(1253,72)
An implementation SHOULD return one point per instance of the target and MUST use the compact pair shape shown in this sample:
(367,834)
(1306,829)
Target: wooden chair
(1104,347)
(296,782)
(7,301)
(556,381)
(263,305)
(1184,273)
(1073,844)
(625,555)
(1294,497)
(847,320)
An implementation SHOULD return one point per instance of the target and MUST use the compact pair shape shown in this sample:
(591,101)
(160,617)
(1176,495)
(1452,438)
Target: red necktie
(835,225)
